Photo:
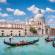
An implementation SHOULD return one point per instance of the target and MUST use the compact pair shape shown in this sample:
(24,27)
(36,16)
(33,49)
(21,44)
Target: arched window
(46,31)
(11,31)
(25,31)
(39,28)
(19,33)
(11,34)
(40,23)
(2,33)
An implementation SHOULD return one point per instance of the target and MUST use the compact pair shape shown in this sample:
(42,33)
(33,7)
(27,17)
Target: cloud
(33,8)
(52,0)
(51,19)
(31,19)
(19,12)
(49,10)
(17,21)
(16,12)
(9,9)
(3,1)
(3,14)
(2,20)
(37,11)
(43,11)
(51,16)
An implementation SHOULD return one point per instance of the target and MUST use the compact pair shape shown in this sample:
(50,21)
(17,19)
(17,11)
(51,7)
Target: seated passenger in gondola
(23,42)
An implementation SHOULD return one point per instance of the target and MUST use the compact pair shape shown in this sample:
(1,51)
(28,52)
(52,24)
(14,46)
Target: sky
(16,10)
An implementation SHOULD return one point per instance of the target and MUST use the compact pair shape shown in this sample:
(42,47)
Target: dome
(39,16)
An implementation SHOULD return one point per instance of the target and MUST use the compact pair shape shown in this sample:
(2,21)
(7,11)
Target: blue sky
(18,9)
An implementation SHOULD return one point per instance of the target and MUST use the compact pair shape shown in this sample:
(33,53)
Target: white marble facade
(22,29)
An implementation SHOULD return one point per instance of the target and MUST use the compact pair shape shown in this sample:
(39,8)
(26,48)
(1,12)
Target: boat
(21,43)
(53,43)
(49,39)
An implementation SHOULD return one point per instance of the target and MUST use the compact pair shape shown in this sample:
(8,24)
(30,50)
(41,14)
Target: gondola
(49,39)
(21,43)
(53,43)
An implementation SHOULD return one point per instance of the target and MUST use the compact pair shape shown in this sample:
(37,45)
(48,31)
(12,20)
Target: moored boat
(49,39)
(53,43)
(21,43)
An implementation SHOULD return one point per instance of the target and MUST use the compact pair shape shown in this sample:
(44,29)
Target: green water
(40,48)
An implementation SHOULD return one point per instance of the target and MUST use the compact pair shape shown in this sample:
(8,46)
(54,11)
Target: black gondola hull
(20,44)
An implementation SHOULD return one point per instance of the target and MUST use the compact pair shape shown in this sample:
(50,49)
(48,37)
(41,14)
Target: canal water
(40,48)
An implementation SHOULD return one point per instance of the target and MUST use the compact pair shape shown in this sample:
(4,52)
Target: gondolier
(10,40)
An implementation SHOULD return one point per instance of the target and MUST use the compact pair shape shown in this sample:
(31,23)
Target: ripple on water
(40,48)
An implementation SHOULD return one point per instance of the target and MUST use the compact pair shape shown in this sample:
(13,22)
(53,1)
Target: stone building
(22,29)
(39,23)
(52,32)
(10,29)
